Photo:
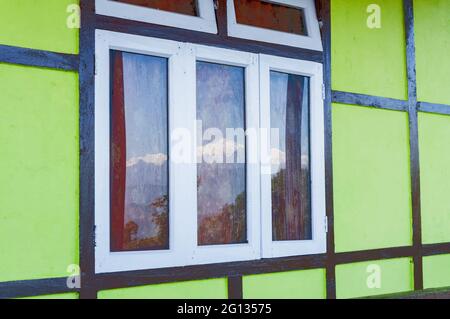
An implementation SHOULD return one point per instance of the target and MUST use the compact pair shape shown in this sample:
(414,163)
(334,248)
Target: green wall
(289,285)
(38,172)
(368,61)
(372,202)
(200,289)
(434,146)
(38,24)
(396,275)
(436,271)
(57,296)
(432,30)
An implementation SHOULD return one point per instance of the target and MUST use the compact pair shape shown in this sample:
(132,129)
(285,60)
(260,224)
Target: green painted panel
(38,172)
(432,31)
(372,205)
(57,296)
(436,271)
(434,137)
(364,60)
(201,289)
(303,284)
(38,24)
(374,278)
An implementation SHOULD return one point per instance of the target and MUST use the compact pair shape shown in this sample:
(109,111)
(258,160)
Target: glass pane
(139,169)
(270,16)
(289,115)
(188,7)
(221,170)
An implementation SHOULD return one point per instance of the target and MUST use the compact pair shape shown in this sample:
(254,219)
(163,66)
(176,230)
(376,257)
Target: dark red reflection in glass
(188,7)
(221,180)
(289,113)
(139,169)
(270,16)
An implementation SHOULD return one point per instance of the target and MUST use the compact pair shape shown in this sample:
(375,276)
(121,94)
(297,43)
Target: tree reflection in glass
(139,168)
(289,113)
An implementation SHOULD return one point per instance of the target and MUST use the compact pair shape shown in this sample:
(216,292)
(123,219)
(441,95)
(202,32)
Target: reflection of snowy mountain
(145,183)
(219,185)
(220,150)
(156,159)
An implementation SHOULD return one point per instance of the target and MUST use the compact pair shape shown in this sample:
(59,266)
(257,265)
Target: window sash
(317,162)
(107,261)
(251,249)
(205,22)
(311,41)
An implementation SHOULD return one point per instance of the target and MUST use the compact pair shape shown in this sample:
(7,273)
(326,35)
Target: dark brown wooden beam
(369,101)
(434,108)
(87,171)
(235,290)
(37,287)
(414,143)
(38,58)
(324,15)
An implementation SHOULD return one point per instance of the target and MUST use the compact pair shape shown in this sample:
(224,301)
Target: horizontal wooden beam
(434,108)
(373,254)
(36,287)
(38,58)
(435,249)
(196,272)
(369,101)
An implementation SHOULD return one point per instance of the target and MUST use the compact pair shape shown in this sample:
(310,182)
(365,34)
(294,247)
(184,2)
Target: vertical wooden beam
(235,287)
(86,86)
(414,143)
(324,9)
(221,17)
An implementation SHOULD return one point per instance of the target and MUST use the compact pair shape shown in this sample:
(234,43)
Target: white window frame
(317,159)
(183,249)
(205,22)
(312,41)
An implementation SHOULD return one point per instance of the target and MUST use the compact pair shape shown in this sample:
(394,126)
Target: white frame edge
(205,22)
(312,41)
(318,243)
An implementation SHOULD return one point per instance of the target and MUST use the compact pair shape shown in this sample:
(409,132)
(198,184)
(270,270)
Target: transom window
(204,155)
(286,22)
(197,15)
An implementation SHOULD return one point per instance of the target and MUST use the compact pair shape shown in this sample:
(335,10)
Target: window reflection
(289,113)
(139,168)
(270,16)
(221,184)
(188,7)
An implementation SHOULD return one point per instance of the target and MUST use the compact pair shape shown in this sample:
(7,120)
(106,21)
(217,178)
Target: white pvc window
(311,40)
(190,73)
(205,21)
